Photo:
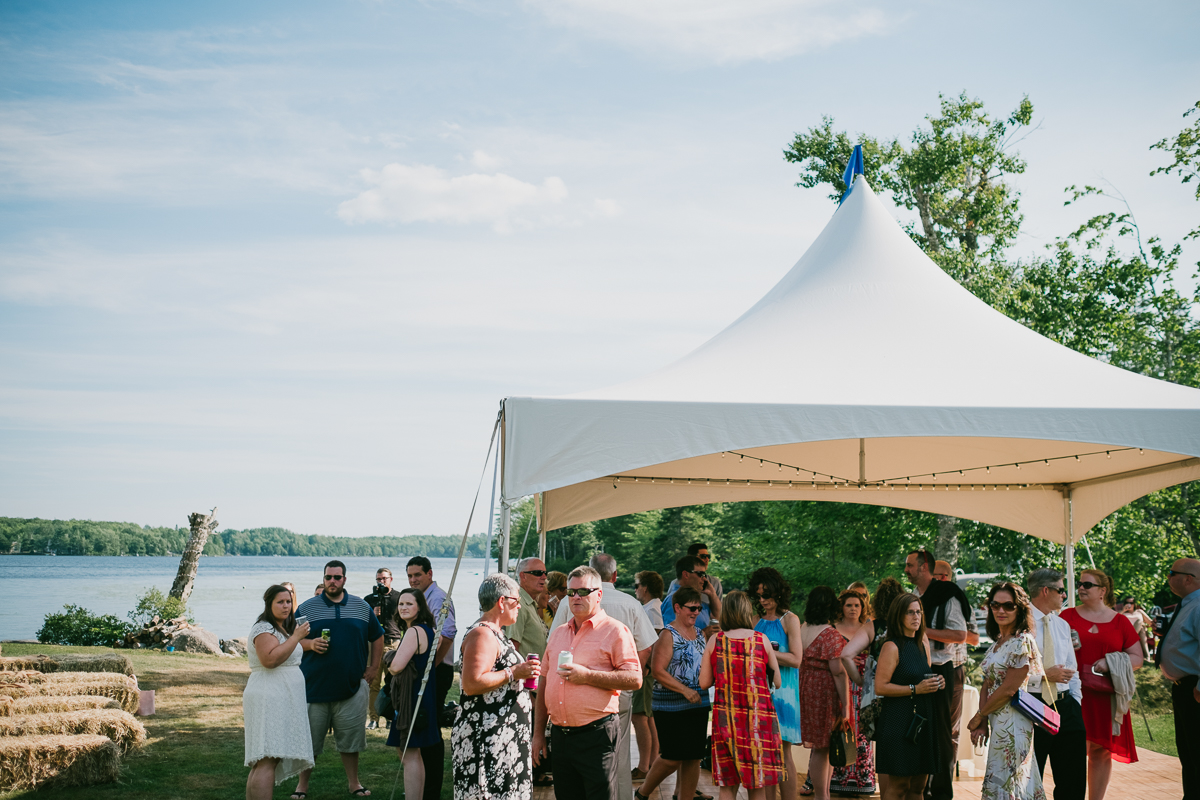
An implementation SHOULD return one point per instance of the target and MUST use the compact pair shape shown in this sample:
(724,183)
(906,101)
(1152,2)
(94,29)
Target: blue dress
(431,734)
(787,696)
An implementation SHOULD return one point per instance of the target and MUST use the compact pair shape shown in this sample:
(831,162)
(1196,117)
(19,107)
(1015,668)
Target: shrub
(80,627)
(156,604)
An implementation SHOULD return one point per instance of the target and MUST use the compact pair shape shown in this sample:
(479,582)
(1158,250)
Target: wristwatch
(912,688)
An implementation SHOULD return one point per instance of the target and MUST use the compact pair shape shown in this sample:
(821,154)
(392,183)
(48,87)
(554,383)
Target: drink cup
(531,682)
(301,620)
(565,657)
(775,646)
(325,634)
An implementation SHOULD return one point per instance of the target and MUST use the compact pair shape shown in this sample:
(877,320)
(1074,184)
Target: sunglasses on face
(1089,585)
(1172,573)
(704,556)
(581,592)
(1060,590)
(335,577)
(994,606)
(693,609)
(539,573)
(700,574)
(765,596)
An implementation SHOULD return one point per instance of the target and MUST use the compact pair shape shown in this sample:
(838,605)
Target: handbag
(868,717)
(1041,714)
(1096,681)
(837,747)
(915,726)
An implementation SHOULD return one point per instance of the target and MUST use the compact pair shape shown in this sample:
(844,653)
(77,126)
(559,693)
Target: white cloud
(481,160)
(423,193)
(719,30)
(607,208)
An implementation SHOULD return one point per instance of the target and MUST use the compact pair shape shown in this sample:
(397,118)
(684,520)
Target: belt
(590,726)
(1185,680)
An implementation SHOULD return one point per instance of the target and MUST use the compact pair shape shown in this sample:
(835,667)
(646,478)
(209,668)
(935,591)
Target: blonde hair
(1103,580)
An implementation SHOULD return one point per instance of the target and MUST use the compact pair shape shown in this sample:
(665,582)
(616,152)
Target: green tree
(1185,148)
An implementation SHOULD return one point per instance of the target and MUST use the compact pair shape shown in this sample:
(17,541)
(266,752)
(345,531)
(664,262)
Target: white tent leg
(504,537)
(537,510)
(1069,550)
(487,547)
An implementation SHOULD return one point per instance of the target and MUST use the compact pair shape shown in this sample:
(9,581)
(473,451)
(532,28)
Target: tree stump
(202,525)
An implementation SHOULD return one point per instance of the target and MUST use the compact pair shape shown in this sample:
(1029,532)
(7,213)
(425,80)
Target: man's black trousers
(1187,735)
(585,760)
(1067,750)
(947,716)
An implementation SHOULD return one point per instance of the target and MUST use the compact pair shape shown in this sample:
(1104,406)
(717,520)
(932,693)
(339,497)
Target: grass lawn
(195,746)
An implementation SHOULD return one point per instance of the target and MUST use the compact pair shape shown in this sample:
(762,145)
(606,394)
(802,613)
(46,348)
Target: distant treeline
(88,538)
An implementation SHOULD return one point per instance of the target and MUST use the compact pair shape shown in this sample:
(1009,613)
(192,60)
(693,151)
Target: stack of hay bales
(66,721)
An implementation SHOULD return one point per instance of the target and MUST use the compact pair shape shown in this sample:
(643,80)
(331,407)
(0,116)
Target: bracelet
(508,671)
(912,687)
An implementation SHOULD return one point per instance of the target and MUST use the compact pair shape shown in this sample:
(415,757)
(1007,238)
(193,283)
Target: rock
(196,640)
(234,647)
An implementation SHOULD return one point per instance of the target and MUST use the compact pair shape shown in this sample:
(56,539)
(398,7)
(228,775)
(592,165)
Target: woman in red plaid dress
(747,749)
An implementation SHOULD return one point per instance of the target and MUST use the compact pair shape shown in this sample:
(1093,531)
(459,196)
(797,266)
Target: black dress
(895,754)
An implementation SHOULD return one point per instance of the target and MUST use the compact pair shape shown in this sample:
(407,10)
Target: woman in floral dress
(491,744)
(747,750)
(857,777)
(1007,667)
(824,694)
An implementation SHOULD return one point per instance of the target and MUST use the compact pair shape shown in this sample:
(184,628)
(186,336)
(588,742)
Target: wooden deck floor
(1154,777)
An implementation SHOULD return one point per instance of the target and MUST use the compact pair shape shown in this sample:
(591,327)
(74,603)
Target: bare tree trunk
(947,540)
(202,525)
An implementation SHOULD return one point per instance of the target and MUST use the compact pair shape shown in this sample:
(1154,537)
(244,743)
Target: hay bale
(117,725)
(113,678)
(101,662)
(42,704)
(24,676)
(23,663)
(69,662)
(27,762)
(121,688)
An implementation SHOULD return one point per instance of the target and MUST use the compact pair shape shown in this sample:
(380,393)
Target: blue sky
(286,258)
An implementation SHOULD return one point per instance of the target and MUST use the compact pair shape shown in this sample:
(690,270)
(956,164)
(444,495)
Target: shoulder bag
(1038,712)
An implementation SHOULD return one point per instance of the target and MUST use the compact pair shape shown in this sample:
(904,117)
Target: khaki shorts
(349,718)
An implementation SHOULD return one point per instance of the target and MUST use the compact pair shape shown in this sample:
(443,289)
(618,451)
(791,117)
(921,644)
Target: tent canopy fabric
(865,375)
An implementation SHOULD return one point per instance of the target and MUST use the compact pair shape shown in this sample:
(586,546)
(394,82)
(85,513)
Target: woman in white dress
(274,705)
(1007,667)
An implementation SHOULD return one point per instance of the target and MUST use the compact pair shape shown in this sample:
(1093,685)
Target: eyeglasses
(1172,573)
(1088,585)
(704,556)
(915,612)
(335,577)
(700,574)
(1058,589)
(1010,607)
(540,573)
(581,592)
(766,596)
(693,609)
(510,597)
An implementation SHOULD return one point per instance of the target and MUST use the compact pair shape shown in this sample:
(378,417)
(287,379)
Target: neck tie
(1049,688)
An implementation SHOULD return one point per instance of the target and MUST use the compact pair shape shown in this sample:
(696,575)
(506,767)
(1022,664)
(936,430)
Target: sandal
(639,796)
(361,791)
(299,795)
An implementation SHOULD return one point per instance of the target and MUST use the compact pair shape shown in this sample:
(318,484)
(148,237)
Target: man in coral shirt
(580,696)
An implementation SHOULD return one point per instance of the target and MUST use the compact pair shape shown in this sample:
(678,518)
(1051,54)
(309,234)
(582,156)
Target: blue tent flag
(853,167)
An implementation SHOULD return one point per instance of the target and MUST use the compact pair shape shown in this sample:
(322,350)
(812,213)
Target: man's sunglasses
(700,574)
(1060,590)
(693,609)
(1172,573)
(540,573)
(1002,606)
(705,556)
(335,577)
(581,592)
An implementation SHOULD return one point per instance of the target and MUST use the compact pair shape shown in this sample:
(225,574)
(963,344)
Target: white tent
(866,375)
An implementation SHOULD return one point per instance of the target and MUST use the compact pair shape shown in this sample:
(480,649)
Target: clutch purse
(915,726)
(1096,681)
(1041,714)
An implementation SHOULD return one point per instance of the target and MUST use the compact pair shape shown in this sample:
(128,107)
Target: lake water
(227,596)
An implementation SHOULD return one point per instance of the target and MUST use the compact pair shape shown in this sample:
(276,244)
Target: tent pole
(862,461)
(487,547)
(1069,549)
(504,536)
(537,510)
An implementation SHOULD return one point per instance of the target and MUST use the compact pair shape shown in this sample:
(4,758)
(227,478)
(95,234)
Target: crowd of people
(560,669)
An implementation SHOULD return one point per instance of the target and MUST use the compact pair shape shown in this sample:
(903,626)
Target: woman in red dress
(1101,631)
(824,687)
